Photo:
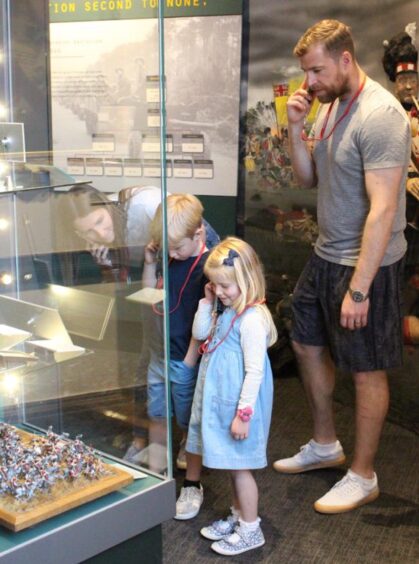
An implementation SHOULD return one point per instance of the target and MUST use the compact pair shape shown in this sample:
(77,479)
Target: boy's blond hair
(184,217)
(236,261)
(334,35)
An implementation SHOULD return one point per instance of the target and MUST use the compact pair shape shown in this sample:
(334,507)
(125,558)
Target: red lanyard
(160,283)
(305,137)
(204,347)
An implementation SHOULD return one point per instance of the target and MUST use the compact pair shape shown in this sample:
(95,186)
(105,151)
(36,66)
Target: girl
(232,404)
(114,232)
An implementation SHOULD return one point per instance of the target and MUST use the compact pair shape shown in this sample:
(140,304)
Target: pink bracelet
(245,414)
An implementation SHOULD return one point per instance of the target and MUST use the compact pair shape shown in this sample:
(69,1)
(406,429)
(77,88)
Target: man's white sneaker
(240,541)
(347,494)
(309,459)
(189,503)
(220,529)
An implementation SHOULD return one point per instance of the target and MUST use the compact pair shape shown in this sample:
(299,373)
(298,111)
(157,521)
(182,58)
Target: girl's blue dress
(216,398)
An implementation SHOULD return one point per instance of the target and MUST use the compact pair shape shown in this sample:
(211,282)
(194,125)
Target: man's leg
(318,376)
(360,485)
(372,401)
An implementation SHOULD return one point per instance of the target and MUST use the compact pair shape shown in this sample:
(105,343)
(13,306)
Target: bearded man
(347,302)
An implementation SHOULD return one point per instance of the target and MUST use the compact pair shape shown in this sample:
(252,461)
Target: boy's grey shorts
(316,305)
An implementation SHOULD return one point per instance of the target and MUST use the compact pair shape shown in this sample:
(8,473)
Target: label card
(75,166)
(192,143)
(152,168)
(94,167)
(153,118)
(182,168)
(103,142)
(203,168)
(151,143)
(113,167)
(153,89)
(132,167)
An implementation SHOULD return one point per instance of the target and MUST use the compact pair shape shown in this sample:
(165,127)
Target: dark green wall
(221,212)
(30,70)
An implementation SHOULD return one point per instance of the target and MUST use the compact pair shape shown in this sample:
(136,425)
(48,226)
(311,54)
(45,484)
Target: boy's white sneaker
(189,503)
(309,459)
(220,529)
(347,494)
(238,542)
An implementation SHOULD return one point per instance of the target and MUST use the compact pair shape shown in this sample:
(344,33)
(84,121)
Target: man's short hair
(334,35)
(184,217)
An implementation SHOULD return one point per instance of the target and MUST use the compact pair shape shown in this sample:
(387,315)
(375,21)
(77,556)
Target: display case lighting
(3,111)
(59,290)
(4,168)
(4,224)
(10,383)
(115,415)
(6,278)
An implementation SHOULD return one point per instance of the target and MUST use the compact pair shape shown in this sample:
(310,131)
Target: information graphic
(106,93)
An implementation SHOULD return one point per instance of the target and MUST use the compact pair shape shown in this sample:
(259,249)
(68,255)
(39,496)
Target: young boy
(186,281)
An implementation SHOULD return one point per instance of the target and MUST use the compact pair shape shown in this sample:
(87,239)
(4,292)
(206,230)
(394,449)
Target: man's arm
(298,106)
(382,187)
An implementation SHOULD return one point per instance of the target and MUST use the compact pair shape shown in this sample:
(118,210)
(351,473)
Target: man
(400,62)
(346,305)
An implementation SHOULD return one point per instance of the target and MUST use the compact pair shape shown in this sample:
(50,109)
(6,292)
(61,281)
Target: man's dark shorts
(316,306)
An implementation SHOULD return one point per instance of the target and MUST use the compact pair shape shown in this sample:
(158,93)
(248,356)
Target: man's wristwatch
(357,296)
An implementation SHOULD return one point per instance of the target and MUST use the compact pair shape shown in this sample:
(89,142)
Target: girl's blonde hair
(236,261)
(184,217)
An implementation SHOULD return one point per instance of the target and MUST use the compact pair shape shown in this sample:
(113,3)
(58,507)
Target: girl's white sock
(235,512)
(250,527)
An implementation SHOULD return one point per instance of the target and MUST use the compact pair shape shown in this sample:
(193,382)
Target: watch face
(357,296)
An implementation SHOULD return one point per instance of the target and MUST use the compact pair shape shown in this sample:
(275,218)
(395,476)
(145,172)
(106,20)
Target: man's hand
(353,315)
(239,429)
(298,106)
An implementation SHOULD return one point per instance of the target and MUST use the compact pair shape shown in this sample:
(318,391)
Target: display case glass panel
(78,327)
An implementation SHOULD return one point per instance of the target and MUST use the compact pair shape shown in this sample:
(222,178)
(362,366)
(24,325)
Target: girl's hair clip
(232,254)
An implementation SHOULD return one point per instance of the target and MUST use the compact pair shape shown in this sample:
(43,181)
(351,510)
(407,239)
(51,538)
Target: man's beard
(332,93)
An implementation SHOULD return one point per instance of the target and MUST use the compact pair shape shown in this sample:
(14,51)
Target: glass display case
(105,107)
(72,320)
(77,324)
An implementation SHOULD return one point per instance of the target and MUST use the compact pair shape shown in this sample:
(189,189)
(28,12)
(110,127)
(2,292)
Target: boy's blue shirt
(181,320)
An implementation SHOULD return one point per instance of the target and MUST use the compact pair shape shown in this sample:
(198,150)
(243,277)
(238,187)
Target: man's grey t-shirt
(374,135)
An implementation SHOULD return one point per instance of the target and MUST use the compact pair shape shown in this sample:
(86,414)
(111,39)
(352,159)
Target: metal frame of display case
(96,527)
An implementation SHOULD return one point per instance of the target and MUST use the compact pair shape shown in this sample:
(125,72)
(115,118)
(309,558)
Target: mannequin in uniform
(400,63)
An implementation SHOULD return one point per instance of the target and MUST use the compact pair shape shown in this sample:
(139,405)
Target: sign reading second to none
(88,10)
